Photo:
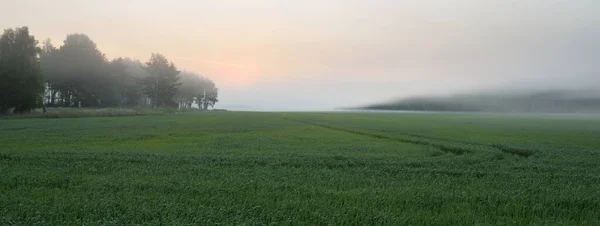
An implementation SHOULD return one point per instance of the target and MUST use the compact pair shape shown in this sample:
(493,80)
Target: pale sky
(322,54)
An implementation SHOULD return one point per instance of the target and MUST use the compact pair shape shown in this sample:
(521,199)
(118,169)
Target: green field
(302,169)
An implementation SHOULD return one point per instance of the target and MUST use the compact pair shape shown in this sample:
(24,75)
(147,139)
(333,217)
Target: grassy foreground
(301,168)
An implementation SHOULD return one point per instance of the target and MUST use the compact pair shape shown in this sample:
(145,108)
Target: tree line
(547,101)
(77,74)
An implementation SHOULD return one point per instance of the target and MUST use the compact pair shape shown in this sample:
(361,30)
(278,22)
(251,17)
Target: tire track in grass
(523,153)
(453,150)
(506,149)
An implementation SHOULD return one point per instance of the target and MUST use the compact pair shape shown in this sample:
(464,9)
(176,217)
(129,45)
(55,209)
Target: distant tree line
(556,101)
(77,74)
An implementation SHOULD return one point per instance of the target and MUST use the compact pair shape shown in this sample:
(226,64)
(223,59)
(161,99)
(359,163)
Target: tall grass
(61,112)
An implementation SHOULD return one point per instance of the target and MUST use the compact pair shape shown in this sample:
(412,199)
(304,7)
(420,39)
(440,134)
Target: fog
(320,55)
(522,101)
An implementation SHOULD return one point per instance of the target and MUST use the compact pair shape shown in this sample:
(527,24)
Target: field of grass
(301,168)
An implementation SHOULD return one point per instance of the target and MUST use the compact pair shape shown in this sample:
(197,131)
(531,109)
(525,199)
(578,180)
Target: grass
(64,112)
(302,169)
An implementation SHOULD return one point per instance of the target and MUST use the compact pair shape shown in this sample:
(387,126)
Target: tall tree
(162,82)
(84,79)
(21,80)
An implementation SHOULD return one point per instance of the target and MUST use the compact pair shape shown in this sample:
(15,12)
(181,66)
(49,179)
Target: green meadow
(340,168)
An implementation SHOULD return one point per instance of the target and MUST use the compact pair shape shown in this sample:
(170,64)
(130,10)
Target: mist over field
(552,101)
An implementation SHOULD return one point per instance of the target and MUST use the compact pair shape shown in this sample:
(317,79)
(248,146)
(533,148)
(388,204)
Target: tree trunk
(68,98)
(52,96)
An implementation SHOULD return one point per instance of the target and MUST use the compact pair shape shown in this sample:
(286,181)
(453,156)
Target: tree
(162,82)
(84,77)
(208,95)
(127,86)
(196,89)
(211,98)
(132,82)
(77,74)
(21,80)
(190,88)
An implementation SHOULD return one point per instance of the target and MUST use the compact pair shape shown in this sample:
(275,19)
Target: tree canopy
(21,80)
(78,74)
(197,90)
(162,83)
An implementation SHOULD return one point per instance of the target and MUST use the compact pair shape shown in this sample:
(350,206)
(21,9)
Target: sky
(279,55)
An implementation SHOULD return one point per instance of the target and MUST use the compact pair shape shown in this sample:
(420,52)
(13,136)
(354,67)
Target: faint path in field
(453,150)
(524,153)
